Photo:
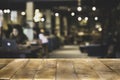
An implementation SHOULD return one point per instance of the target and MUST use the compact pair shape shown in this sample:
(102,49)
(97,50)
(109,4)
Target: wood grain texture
(4,62)
(85,71)
(11,68)
(104,72)
(47,70)
(59,69)
(65,70)
(28,70)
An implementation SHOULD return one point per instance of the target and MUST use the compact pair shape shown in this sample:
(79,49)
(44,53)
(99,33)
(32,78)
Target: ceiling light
(56,14)
(23,13)
(8,10)
(79,18)
(100,29)
(86,18)
(5,11)
(96,18)
(42,19)
(94,8)
(72,14)
(79,8)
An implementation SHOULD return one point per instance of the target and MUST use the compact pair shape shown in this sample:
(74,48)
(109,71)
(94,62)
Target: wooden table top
(59,69)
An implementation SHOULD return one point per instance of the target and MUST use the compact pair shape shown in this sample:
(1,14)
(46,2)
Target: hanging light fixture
(72,14)
(96,18)
(93,8)
(56,14)
(79,8)
(79,18)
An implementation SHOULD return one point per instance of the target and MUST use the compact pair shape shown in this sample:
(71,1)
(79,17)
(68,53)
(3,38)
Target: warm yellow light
(38,15)
(97,26)
(86,18)
(6,11)
(100,29)
(42,30)
(81,33)
(79,8)
(37,10)
(57,27)
(42,19)
(87,43)
(56,14)
(94,8)
(96,18)
(72,14)
(23,13)
(79,18)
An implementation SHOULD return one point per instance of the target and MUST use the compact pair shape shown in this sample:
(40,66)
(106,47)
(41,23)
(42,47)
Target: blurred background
(90,26)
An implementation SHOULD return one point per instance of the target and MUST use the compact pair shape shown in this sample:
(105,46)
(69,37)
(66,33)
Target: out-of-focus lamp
(37,16)
(79,8)
(6,11)
(72,14)
(93,8)
(23,13)
(86,18)
(96,18)
(79,18)
(99,29)
(56,14)
(42,19)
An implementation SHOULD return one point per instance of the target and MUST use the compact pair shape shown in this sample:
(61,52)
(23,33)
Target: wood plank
(5,61)
(108,75)
(8,71)
(65,70)
(60,69)
(84,71)
(2,65)
(113,64)
(33,64)
(103,71)
(28,71)
(47,70)
(23,74)
(97,65)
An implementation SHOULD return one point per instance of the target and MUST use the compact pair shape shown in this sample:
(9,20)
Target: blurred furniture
(97,50)
(53,43)
(21,52)
(12,50)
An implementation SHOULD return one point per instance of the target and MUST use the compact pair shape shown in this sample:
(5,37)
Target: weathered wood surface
(59,69)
